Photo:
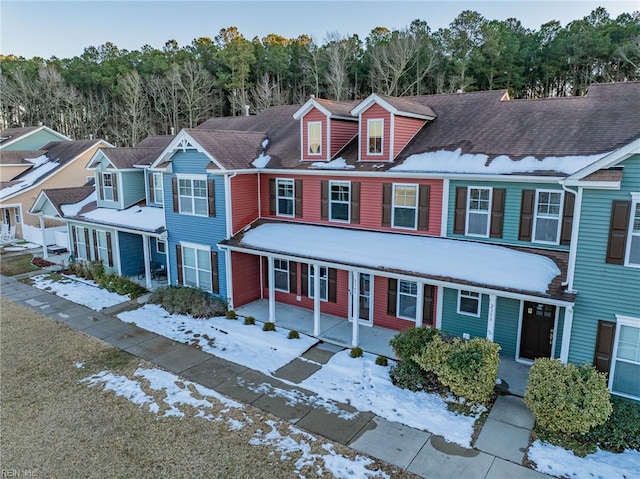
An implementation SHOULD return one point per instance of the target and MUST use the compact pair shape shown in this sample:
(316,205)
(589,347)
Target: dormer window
(314,135)
(107,186)
(374,136)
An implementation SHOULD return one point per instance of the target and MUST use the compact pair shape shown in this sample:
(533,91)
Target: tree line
(123,96)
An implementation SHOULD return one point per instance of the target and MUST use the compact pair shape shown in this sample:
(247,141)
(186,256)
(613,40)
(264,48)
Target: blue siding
(133,190)
(91,248)
(35,141)
(512,202)
(505,332)
(457,324)
(156,257)
(131,253)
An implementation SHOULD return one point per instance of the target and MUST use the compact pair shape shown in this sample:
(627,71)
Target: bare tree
(196,85)
(268,93)
(337,53)
(132,109)
(164,93)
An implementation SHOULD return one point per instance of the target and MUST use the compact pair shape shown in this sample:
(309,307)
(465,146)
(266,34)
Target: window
(314,137)
(161,246)
(284,197)
(324,281)
(196,267)
(469,303)
(625,369)
(478,211)
(81,241)
(407,300)
(101,242)
(405,206)
(281,275)
(633,242)
(339,199)
(374,137)
(158,196)
(107,186)
(17,214)
(546,226)
(193,196)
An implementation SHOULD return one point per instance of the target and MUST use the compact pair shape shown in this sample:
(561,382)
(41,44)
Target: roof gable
(10,136)
(396,106)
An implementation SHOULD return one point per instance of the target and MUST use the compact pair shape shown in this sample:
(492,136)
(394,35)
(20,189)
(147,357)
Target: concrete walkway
(499,449)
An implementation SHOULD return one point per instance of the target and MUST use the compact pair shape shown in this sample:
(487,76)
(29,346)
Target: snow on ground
(559,462)
(81,291)
(228,339)
(367,387)
(20,246)
(179,392)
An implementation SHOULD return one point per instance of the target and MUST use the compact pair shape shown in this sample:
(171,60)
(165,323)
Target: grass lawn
(13,265)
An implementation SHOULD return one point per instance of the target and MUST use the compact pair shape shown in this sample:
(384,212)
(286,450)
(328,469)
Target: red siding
(314,115)
(370,202)
(245,269)
(374,112)
(244,200)
(342,131)
(380,316)
(403,130)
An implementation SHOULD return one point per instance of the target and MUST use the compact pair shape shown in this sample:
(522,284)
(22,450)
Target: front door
(536,335)
(365,299)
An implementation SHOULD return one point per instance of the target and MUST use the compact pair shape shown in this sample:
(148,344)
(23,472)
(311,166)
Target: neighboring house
(61,164)
(28,138)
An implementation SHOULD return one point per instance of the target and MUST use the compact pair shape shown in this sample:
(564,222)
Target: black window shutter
(460,213)
(109,249)
(332,294)
(179,263)
(497,212)
(215,281)
(100,191)
(74,234)
(604,346)
(151,185)
(272,196)
(618,230)
(392,294)
(174,191)
(211,196)
(293,277)
(423,207)
(86,242)
(95,244)
(526,215)
(324,199)
(567,218)
(355,202)
(387,191)
(427,304)
(298,198)
(304,279)
(114,182)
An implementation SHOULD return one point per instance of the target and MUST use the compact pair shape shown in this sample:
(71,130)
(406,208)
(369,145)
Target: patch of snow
(137,217)
(83,292)
(38,161)
(41,167)
(560,462)
(445,161)
(265,143)
(261,161)
(124,387)
(20,246)
(74,208)
(415,254)
(337,164)
(79,364)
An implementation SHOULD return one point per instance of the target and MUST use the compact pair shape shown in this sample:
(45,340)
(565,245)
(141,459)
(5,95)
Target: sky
(65,28)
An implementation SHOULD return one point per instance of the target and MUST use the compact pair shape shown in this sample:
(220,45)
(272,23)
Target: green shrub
(249,320)
(269,326)
(231,314)
(567,398)
(621,431)
(382,361)
(294,334)
(191,301)
(356,352)
(94,270)
(468,368)
(408,375)
(121,285)
(412,341)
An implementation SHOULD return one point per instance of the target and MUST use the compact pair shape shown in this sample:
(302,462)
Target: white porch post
(316,300)
(272,289)
(419,305)
(45,254)
(439,301)
(355,308)
(147,261)
(491,319)
(566,334)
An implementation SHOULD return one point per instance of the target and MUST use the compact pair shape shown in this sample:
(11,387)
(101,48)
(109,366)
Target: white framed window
(281,275)
(625,364)
(407,300)
(107,186)
(103,251)
(478,211)
(375,128)
(192,194)
(547,221)
(81,242)
(405,206)
(17,215)
(314,137)
(196,266)
(632,255)
(469,303)
(339,200)
(161,246)
(285,199)
(158,194)
(324,282)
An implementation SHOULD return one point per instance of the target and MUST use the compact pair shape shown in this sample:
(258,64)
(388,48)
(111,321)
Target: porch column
(316,300)
(419,304)
(45,254)
(272,289)
(566,334)
(491,319)
(355,308)
(147,261)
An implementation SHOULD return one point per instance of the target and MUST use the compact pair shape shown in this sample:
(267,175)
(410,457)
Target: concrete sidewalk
(499,450)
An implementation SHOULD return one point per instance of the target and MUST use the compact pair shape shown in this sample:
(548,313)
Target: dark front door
(537,330)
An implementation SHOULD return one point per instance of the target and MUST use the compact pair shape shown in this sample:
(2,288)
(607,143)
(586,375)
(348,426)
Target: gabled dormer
(387,124)
(325,128)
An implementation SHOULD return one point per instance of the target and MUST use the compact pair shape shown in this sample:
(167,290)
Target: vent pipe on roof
(459,90)
(246,110)
(91,136)
(40,123)
(312,96)
(173,131)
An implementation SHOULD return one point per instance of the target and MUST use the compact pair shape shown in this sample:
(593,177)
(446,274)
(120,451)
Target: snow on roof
(74,208)
(137,217)
(42,166)
(444,161)
(337,164)
(479,263)
(261,161)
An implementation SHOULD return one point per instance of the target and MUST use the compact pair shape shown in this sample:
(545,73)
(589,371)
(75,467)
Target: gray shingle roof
(233,149)
(124,157)
(18,157)
(67,196)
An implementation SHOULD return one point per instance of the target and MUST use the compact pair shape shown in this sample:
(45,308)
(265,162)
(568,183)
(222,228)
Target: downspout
(575,228)
(229,221)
